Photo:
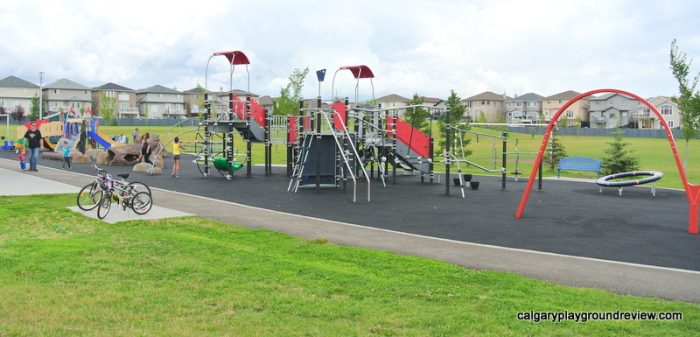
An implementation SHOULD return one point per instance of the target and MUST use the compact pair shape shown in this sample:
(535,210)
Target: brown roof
(487,96)
(569,94)
(393,98)
(431,100)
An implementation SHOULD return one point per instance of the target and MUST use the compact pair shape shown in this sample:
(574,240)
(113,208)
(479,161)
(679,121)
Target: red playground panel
(340,116)
(292,134)
(359,71)
(416,140)
(257,113)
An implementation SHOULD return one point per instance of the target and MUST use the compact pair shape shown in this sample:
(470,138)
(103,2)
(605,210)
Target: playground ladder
(356,157)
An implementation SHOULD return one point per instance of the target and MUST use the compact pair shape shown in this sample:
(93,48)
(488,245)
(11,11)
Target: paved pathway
(618,277)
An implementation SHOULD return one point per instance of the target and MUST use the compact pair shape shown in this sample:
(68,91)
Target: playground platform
(571,234)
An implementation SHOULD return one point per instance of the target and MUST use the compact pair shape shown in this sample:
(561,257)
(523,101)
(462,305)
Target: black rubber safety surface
(570,218)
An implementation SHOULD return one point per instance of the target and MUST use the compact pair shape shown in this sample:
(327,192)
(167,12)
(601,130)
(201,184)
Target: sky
(423,47)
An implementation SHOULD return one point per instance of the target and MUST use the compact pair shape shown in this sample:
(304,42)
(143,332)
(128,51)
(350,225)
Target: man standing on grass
(34,144)
(135,135)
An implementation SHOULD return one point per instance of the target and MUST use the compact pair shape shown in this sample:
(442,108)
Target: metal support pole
(249,150)
(318,153)
(504,167)
(207,150)
(448,142)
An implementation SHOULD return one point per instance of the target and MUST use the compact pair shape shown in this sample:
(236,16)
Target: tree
(107,106)
(34,108)
(200,100)
(556,150)
(689,99)
(563,121)
(618,158)
(290,95)
(456,111)
(18,114)
(417,117)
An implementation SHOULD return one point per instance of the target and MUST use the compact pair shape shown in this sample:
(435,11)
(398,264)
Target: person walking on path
(177,149)
(66,155)
(34,144)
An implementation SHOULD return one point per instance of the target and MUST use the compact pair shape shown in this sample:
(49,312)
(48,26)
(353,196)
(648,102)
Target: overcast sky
(428,47)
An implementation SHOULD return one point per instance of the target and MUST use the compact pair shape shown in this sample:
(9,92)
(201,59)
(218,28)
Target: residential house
(222,97)
(123,98)
(267,103)
(611,111)
(64,95)
(194,101)
(392,101)
(487,106)
(160,102)
(16,92)
(525,108)
(576,113)
(644,118)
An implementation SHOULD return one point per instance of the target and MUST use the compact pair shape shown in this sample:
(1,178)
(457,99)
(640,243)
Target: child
(177,149)
(22,157)
(66,155)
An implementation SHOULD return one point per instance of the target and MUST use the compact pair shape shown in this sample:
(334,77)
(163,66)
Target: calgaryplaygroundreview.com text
(585,316)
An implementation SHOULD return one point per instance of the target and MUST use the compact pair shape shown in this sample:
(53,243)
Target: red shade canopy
(234,57)
(361,71)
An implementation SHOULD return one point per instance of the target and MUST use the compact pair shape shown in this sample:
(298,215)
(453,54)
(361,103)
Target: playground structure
(692,191)
(65,129)
(328,147)
(651,177)
(214,143)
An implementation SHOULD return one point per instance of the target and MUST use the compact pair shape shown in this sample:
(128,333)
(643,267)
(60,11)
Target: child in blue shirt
(66,155)
(22,157)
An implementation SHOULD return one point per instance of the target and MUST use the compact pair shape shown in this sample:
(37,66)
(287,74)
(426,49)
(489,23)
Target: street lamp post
(41,95)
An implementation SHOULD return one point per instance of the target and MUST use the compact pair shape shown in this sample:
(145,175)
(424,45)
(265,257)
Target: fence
(642,133)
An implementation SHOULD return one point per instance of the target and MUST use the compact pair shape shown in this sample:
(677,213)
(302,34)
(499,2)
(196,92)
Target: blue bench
(579,164)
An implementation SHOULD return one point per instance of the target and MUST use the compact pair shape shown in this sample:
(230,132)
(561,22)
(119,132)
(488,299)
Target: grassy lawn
(62,274)
(653,153)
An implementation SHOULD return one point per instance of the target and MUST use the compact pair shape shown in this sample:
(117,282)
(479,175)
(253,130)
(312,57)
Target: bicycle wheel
(141,203)
(140,187)
(89,197)
(104,206)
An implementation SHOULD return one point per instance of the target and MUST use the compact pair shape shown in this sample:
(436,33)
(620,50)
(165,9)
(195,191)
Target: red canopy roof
(234,56)
(361,71)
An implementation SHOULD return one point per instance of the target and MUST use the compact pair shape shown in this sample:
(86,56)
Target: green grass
(62,274)
(653,153)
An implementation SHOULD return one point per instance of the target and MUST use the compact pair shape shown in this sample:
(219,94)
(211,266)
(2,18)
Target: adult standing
(83,137)
(146,148)
(34,144)
(135,135)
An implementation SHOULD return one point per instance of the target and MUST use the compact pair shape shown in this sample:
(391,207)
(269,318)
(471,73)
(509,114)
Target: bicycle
(104,189)
(125,194)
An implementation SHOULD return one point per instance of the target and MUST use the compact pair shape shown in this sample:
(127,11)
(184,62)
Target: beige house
(124,99)
(193,99)
(65,94)
(160,102)
(393,101)
(666,106)
(16,92)
(576,112)
(487,105)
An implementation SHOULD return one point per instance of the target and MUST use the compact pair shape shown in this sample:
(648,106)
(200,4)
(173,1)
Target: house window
(670,124)
(666,109)
(612,115)
(569,114)
(55,91)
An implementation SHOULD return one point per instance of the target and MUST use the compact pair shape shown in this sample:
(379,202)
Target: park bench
(579,164)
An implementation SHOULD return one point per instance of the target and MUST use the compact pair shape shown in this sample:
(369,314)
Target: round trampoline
(651,177)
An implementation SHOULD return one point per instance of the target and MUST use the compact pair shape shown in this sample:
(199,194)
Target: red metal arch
(691,191)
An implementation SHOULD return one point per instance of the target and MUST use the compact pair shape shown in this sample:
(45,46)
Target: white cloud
(412,46)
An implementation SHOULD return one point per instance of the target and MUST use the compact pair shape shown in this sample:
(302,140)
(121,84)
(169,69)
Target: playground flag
(321,74)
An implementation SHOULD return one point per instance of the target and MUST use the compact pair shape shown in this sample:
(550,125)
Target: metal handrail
(352,146)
